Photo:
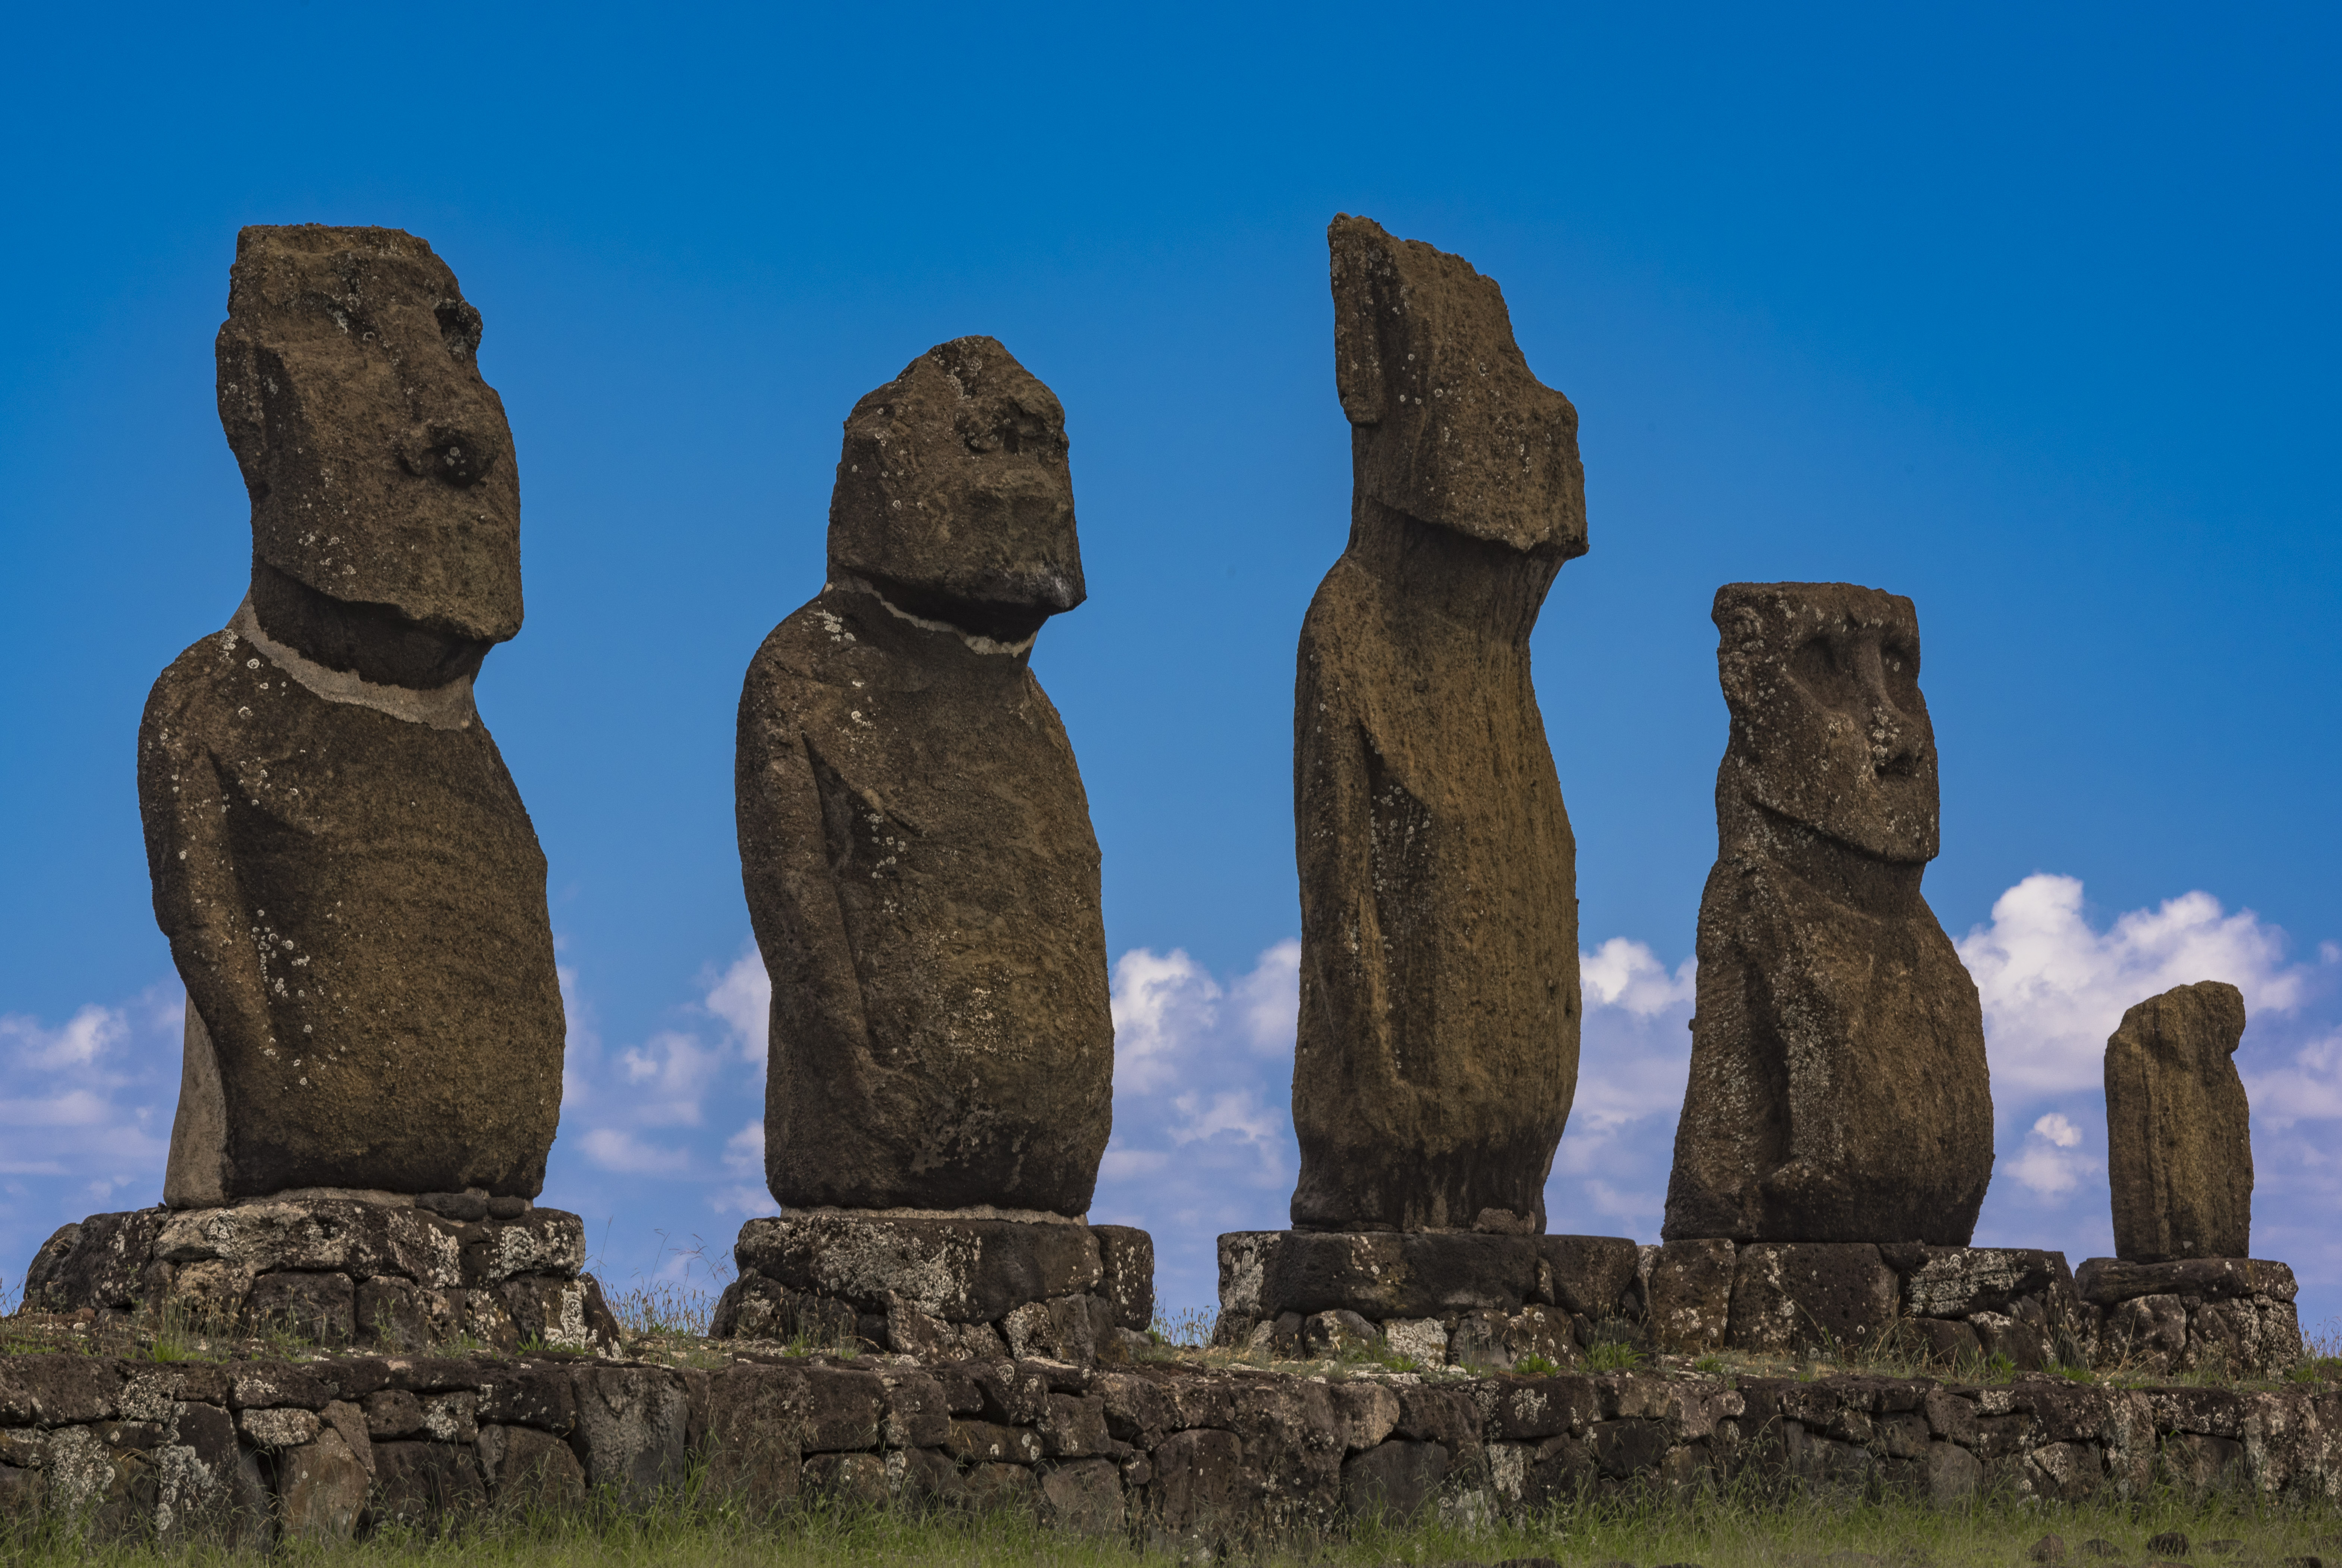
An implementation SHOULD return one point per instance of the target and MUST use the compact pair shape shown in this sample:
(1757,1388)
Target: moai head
(1449,426)
(1828,725)
(379,464)
(954,498)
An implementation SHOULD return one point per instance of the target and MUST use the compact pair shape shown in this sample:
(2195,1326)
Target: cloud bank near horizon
(663,1138)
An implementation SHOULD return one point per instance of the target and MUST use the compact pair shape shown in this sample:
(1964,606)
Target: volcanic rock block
(396,1274)
(1507,1295)
(937,1286)
(1838,1087)
(353,892)
(914,842)
(2180,1141)
(2231,1316)
(1437,1048)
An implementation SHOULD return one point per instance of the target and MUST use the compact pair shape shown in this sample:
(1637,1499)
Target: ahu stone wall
(259,1450)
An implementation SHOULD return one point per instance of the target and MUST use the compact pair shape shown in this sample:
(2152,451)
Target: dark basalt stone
(914,841)
(1436,1054)
(1838,1087)
(352,889)
(2179,1137)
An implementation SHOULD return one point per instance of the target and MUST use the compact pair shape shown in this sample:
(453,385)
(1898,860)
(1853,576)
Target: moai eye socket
(459,327)
(1822,667)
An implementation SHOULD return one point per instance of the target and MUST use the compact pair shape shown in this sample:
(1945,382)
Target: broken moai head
(1828,725)
(2179,1138)
(954,499)
(385,506)
(1449,425)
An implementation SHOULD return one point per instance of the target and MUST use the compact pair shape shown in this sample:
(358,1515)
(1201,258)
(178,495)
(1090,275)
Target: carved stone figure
(1437,1047)
(1838,1088)
(914,837)
(351,887)
(2179,1137)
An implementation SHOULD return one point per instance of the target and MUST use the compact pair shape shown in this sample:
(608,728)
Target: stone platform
(940,1285)
(2224,1315)
(1486,1300)
(378,1269)
(260,1451)
(1948,1305)
(1438,1297)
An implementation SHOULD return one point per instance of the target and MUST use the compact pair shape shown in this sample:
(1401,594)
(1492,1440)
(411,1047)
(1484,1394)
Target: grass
(1738,1528)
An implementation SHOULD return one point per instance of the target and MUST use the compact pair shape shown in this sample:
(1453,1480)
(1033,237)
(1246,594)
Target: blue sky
(2027,316)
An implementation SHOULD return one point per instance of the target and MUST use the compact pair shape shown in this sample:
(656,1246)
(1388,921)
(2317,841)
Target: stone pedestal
(941,1285)
(1942,1305)
(403,1273)
(2224,1315)
(1440,1296)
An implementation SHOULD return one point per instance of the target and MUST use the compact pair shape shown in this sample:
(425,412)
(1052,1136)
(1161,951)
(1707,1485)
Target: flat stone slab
(2104,1281)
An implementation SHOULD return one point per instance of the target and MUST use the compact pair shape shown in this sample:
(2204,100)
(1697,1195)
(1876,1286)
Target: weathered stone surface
(1954,1282)
(1838,1088)
(1200,1455)
(914,841)
(1789,1296)
(323,1489)
(377,1271)
(1436,1054)
(961,1270)
(2103,1282)
(1382,1274)
(352,890)
(2179,1140)
(1127,1256)
(1688,1294)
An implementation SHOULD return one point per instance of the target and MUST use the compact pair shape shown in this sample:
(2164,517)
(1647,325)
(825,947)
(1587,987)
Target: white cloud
(2058,1130)
(618,1150)
(665,1078)
(2307,1088)
(1627,975)
(78,1044)
(743,998)
(2054,988)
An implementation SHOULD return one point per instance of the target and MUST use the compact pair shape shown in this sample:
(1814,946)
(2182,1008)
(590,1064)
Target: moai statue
(1838,1088)
(2179,1140)
(1437,1047)
(923,883)
(914,837)
(352,890)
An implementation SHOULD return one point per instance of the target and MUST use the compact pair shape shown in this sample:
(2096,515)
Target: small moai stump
(353,892)
(1836,1132)
(923,879)
(2182,1291)
(1436,1051)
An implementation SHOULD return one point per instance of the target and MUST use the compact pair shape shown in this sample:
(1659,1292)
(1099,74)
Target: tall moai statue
(923,879)
(2179,1139)
(1436,1051)
(1838,1087)
(352,889)
(353,892)
(1436,1054)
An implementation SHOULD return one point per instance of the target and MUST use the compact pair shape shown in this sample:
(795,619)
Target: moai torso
(2179,1139)
(1437,1054)
(914,839)
(1838,1088)
(351,887)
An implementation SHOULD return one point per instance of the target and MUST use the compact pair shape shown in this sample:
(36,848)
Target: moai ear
(1746,658)
(242,414)
(1357,346)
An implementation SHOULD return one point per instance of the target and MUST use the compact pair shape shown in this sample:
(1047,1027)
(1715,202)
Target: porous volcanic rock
(1838,1088)
(2179,1141)
(914,841)
(1437,1048)
(352,889)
